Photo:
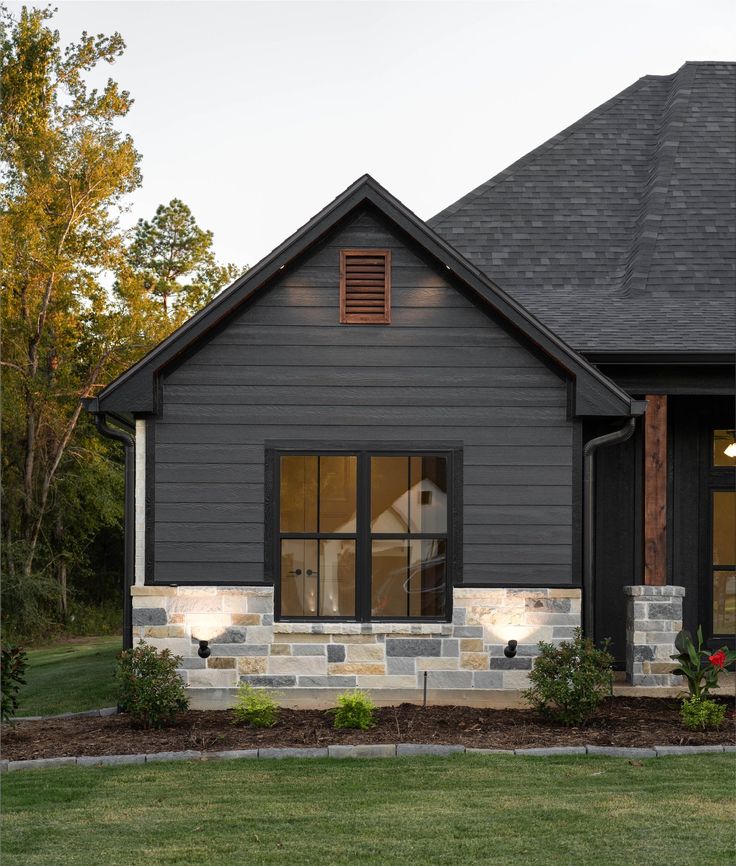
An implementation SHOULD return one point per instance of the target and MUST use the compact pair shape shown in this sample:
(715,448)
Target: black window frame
(715,479)
(452,452)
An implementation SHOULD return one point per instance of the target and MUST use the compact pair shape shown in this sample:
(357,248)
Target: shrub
(699,666)
(150,689)
(94,619)
(570,681)
(12,677)
(700,714)
(354,710)
(255,707)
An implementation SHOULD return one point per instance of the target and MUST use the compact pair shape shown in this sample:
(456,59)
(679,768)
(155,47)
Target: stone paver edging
(105,711)
(390,750)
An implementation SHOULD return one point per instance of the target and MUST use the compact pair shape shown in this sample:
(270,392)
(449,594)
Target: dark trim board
(577,502)
(698,379)
(150,531)
(659,359)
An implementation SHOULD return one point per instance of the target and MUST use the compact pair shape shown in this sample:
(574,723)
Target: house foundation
(381,657)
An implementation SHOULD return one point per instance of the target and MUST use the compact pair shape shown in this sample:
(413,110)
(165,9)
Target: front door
(702,507)
(718,603)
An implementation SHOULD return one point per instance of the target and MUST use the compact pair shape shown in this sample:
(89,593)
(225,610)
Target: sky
(257,114)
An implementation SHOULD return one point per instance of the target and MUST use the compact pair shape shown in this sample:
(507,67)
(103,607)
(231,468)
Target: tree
(174,260)
(66,169)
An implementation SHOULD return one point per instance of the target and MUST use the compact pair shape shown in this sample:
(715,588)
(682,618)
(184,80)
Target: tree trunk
(63,603)
(61,569)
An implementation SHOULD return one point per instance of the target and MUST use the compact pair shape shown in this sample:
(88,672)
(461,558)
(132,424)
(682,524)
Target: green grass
(459,810)
(70,677)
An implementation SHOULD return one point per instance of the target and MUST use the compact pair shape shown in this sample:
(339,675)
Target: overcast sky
(257,114)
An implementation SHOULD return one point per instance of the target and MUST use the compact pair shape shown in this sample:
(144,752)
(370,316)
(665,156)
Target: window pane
(428,575)
(408,578)
(337,499)
(723,439)
(299,575)
(389,497)
(317,577)
(388,578)
(337,577)
(298,494)
(724,602)
(724,528)
(428,495)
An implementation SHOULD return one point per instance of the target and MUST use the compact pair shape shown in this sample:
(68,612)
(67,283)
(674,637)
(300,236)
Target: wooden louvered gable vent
(365,287)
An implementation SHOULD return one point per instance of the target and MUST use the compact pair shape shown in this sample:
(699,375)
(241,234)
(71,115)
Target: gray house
(395,446)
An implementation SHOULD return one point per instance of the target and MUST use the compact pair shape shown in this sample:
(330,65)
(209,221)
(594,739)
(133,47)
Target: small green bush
(255,707)
(569,681)
(12,677)
(150,689)
(702,714)
(354,710)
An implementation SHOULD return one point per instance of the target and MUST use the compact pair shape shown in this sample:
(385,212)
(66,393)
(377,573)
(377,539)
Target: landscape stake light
(510,649)
(204,651)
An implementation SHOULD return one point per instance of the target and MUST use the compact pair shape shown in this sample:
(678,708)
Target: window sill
(362,628)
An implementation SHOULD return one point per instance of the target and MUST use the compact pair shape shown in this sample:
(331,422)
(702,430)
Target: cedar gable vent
(365,287)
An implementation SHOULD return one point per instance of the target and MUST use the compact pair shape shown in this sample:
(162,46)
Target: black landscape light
(204,651)
(510,649)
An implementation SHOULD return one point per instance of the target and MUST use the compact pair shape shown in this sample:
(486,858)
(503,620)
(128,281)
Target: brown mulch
(620,722)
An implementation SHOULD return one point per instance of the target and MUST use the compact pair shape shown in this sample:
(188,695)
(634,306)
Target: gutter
(589,451)
(91,405)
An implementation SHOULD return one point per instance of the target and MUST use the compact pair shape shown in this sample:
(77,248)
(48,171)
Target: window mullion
(363,563)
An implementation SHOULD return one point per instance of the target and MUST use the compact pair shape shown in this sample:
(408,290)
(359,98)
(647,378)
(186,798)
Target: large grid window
(363,535)
(722,559)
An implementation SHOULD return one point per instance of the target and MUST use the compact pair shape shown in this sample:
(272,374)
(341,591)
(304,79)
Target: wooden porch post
(655,490)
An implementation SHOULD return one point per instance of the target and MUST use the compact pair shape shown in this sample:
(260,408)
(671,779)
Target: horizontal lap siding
(285,369)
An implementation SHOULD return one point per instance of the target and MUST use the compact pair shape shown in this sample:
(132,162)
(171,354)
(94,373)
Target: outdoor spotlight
(204,651)
(510,649)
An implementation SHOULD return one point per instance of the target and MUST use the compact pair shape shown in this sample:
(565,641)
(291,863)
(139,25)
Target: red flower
(718,660)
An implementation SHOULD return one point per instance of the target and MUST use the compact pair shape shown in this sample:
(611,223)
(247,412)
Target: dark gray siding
(283,368)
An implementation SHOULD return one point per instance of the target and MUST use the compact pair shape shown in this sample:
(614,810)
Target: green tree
(65,172)
(174,261)
(66,169)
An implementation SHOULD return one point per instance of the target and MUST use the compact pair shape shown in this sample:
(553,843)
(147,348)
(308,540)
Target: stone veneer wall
(248,646)
(653,619)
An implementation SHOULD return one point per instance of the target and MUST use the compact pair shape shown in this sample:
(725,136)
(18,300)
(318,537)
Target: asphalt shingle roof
(620,232)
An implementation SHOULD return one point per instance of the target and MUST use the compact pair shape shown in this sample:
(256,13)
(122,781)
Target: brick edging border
(391,750)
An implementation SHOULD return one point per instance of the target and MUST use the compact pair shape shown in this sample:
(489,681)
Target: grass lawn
(459,810)
(70,677)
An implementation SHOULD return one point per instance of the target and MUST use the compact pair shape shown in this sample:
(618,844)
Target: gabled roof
(619,233)
(134,391)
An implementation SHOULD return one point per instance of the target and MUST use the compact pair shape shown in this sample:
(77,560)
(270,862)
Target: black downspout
(129,556)
(615,438)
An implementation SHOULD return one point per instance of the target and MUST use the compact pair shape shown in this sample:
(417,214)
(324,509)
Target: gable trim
(594,394)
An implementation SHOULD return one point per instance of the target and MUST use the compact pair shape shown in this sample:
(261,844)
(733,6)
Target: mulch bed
(619,722)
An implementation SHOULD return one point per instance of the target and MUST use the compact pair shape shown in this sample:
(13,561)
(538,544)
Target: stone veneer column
(653,619)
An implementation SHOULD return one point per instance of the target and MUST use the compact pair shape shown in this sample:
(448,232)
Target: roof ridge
(508,172)
(657,188)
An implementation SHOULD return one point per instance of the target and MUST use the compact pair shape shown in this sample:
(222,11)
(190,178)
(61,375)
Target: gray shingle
(619,232)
